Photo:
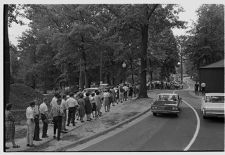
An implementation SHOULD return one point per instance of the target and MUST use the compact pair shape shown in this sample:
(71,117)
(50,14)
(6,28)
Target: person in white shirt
(125,92)
(30,124)
(72,104)
(44,117)
(64,107)
(54,100)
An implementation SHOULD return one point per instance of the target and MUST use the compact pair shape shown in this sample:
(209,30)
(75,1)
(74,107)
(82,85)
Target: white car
(213,105)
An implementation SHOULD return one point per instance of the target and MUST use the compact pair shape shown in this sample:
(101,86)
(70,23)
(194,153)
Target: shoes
(32,145)
(54,137)
(73,124)
(81,121)
(89,120)
(67,125)
(38,139)
(58,139)
(64,131)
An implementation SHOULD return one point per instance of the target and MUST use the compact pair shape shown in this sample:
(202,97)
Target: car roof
(167,94)
(214,94)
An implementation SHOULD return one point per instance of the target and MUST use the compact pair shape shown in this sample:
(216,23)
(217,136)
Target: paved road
(168,133)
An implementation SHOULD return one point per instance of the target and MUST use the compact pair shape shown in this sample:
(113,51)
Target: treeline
(79,44)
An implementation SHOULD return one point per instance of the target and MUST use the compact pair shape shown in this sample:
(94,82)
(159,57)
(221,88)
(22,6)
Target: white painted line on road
(197,128)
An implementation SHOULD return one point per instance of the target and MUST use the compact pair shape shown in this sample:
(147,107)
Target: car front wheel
(204,115)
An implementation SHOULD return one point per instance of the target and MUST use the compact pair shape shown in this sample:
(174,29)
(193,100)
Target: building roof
(218,64)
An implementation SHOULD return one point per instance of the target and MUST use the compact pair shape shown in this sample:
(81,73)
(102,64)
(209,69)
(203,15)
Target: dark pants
(45,125)
(57,125)
(37,128)
(71,115)
(125,95)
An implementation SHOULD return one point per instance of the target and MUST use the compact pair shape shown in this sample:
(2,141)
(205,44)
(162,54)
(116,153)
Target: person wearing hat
(30,124)
(10,126)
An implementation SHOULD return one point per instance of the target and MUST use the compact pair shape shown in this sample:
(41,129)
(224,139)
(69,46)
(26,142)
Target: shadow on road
(214,120)
(167,116)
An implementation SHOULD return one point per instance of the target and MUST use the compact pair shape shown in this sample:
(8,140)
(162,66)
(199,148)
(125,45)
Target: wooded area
(76,45)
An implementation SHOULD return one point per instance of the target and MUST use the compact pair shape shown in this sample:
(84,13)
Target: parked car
(90,90)
(166,103)
(213,105)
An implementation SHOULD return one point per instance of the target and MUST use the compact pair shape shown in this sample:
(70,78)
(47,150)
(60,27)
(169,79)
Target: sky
(188,15)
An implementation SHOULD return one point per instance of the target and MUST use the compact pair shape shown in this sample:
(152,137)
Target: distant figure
(72,103)
(92,100)
(57,113)
(125,92)
(203,85)
(30,124)
(98,101)
(10,126)
(44,117)
(131,92)
(36,121)
(106,101)
(81,103)
(88,107)
(196,88)
(121,94)
(64,118)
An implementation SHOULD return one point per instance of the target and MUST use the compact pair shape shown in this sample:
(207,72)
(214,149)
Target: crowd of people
(64,109)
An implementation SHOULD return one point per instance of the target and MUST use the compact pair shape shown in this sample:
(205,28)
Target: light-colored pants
(30,131)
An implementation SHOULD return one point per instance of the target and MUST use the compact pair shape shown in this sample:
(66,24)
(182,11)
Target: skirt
(10,130)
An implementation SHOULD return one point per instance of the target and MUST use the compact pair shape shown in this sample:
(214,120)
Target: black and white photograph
(112,76)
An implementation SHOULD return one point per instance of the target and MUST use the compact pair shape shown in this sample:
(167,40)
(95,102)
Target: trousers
(30,131)
(57,125)
(45,125)
(37,128)
(71,115)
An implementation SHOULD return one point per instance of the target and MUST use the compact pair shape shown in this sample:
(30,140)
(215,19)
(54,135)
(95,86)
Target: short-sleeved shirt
(53,102)
(36,110)
(71,102)
(43,108)
(64,104)
(30,113)
(57,111)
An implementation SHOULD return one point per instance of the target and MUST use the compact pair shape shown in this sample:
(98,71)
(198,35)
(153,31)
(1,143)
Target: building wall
(214,79)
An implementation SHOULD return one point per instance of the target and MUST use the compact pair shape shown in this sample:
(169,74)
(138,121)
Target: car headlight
(154,107)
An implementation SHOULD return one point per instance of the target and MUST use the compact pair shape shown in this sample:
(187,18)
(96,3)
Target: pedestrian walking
(10,126)
(98,101)
(57,113)
(72,103)
(54,100)
(64,106)
(113,96)
(88,107)
(44,117)
(30,124)
(36,121)
(106,101)
(81,108)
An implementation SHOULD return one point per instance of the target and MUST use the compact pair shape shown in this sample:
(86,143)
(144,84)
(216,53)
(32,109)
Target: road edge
(83,140)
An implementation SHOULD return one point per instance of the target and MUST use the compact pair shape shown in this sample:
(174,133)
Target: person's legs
(69,116)
(55,126)
(73,115)
(59,125)
(36,130)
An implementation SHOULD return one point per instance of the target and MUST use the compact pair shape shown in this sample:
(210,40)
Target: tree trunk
(81,86)
(143,88)
(6,57)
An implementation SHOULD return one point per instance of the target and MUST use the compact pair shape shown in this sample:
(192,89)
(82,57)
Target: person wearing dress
(106,101)
(81,103)
(88,107)
(30,124)
(36,121)
(98,101)
(44,117)
(10,126)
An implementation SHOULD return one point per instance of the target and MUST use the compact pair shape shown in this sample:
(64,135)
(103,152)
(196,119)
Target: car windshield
(215,99)
(168,98)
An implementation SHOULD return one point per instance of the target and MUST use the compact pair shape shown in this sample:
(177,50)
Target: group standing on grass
(63,110)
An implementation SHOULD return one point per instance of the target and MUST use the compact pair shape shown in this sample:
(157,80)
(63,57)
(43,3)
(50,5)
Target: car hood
(161,103)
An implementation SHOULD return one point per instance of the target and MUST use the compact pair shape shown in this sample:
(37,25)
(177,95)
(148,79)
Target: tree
(205,44)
